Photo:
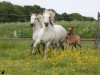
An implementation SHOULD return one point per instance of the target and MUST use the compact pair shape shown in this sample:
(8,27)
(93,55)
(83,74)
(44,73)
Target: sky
(87,8)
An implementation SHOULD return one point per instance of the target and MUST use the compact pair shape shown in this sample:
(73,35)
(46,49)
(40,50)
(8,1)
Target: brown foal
(73,39)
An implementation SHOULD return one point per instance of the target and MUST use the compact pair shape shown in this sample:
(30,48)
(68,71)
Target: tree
(11,13)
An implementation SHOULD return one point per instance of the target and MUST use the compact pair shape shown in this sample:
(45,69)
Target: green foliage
(12,13)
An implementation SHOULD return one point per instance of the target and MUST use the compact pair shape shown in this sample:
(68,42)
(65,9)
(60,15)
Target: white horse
(50,34)
(36,26)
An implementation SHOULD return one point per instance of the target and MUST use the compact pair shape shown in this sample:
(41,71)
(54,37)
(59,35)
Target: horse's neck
(36,28)
(71,33)
(48,28)
(41,24)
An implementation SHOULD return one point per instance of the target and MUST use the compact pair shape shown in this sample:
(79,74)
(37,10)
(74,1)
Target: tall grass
(23,29)
(82,28)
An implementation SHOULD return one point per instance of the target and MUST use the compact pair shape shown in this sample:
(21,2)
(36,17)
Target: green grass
(23,29)
(16,60)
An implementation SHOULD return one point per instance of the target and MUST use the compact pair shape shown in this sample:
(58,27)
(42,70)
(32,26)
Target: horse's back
(62,30)
(78,39)
(74,39)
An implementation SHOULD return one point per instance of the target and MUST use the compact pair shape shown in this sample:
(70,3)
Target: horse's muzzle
(32,25)
(46,24)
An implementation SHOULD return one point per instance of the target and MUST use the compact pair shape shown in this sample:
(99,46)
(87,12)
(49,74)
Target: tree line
(12,13)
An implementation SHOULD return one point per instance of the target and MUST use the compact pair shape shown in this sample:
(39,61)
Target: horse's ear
(36,14)
(69,26)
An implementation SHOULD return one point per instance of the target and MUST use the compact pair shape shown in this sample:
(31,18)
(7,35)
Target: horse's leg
(35,46)
(55,46)
(39,46)
(79,45)
(47,45)
(62,45)
(43,46)
(72,46)
(75,45)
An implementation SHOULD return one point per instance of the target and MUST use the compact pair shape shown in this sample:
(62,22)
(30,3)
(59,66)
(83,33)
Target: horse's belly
(48,37)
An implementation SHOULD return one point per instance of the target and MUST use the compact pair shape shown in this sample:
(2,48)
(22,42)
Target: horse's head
(48,19)
(70,30)
(40,17)
(33,20)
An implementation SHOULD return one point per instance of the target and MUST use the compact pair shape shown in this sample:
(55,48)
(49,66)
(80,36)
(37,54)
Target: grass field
(83,28)
(16,60)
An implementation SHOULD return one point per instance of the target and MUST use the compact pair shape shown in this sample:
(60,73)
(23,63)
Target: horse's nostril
(46,24)
(32,25)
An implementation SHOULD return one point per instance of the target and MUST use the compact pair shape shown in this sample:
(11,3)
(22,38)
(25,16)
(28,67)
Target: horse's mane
(40,20)
(52,14)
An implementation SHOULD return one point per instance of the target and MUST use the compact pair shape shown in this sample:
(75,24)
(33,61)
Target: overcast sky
(84,7)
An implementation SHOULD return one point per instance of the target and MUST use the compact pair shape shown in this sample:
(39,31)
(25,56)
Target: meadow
(16,60)
(83,28)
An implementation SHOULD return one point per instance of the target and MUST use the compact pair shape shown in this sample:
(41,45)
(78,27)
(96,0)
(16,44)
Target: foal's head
(33,20)
(70,30)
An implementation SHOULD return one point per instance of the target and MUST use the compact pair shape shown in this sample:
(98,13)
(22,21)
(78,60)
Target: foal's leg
(72,46)
(75,45)
(79,45)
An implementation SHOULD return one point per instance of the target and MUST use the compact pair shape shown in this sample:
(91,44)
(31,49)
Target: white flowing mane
(51,13)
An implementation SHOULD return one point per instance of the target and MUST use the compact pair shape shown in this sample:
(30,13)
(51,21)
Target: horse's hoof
(34,53)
